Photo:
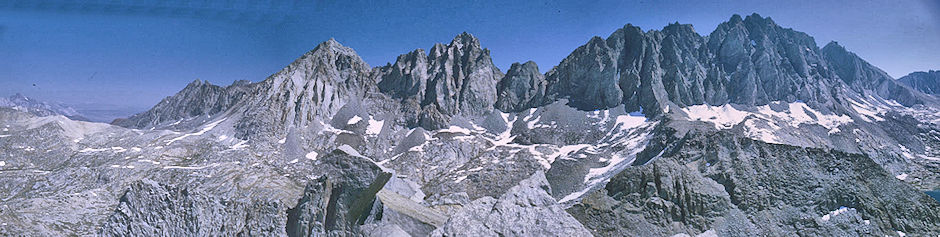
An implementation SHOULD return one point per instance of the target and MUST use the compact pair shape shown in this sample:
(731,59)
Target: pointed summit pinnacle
(465,39)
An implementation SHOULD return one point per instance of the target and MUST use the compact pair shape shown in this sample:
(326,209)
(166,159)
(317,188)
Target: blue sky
(128,56)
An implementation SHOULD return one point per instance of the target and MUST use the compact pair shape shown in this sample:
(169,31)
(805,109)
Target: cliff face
(457,78)
(862,76)
(523,87)
(926,82)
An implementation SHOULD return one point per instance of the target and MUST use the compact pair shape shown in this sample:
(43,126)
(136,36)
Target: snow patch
(349,150)
(311,155)
(455,129)
(205,129)
(709,233)
(906,152)
(763,123)
(149,161)
(567,150)
(575,195)
(190,167)
(374,127)
(901,176)
(867,110)
(89,149)
(354,120)
(531,119)
(835,213)
(725,116)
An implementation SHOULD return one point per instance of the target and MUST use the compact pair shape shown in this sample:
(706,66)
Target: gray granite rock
(148,208)
(456,78)
(926,82)
(527,209)
(523,87)
(733,186)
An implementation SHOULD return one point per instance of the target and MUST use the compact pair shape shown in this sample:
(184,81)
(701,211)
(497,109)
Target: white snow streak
(205,129)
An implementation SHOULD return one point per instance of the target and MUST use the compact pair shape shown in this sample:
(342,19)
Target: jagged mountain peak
(735,19)
(198,83)
(747,60)
(332,52)
(679,29)
(312,88)
(757,18)
(332,45)
(834,45)
(465,39)
(523,87)
(457,78)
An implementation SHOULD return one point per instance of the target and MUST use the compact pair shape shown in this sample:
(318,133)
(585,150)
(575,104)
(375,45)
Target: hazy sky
(107,56)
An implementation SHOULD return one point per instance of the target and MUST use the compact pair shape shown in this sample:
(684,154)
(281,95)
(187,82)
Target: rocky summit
(751,130)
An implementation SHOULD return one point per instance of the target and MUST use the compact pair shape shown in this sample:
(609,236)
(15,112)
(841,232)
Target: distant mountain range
(39,108)
(81,112)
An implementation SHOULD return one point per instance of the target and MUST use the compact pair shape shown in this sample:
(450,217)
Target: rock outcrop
(527,209)
(148,208)
(734,186)
(341,199)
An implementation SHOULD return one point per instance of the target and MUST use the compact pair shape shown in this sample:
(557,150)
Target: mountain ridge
(750,60)
(927,82)
(19,101)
